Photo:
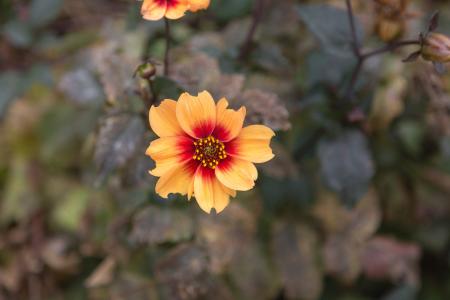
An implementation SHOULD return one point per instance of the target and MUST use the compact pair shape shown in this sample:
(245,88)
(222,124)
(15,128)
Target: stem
(351,19)
(152,90)
(354,79)
(361,57)
(390,47)
(166,55)
(258,10)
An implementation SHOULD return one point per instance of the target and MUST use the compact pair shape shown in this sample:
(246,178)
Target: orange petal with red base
(209,192)
(197,115)
(228,122)
(252,144)
(153,10)
(237,174)
(163,119)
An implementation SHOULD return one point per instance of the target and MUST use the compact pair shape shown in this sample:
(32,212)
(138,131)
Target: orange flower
(203,151)
(172,9)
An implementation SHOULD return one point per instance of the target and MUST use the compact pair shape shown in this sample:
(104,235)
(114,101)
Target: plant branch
(258,11)
(351,19)
(389,48)
(362,57)
(166,54)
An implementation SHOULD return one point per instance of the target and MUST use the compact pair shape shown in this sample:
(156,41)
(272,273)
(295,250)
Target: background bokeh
(355,205)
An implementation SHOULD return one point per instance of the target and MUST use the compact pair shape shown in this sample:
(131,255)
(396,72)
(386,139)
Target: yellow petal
(198,4)
(163,119)
(153,10)
(196,115)
(228,121)
(237,174)
(177,9)
(168,152)
(252,144)
(209,192)
(177,180)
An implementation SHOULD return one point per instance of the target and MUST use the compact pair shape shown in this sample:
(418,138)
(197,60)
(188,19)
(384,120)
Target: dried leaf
(103,274)
(216,232)
(118,140)
(388,103)
(295,250)
(387,258)
(59,255)
(183,273)
(131,286)
(196,73)
(264,108)
(228,86)
(155,225)
(344,247)
(115,70)
(251,274)
(80,86)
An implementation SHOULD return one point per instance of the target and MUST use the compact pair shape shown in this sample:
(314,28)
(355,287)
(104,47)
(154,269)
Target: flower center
(209,152)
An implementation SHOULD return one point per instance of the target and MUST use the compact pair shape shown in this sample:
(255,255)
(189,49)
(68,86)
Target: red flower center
(209,152)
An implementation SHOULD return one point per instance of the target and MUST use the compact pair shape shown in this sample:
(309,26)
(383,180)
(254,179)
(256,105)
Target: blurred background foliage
(355,205)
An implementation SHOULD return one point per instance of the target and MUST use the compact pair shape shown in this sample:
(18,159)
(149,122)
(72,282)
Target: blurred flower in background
(172,9)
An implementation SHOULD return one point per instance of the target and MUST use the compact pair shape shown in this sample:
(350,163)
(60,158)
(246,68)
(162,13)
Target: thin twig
(258,11)
(354,78)
(351,19)
(360,56)
(390,47)
(166,55)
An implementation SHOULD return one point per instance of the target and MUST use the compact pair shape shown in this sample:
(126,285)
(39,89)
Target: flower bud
(146,70)
(436,48)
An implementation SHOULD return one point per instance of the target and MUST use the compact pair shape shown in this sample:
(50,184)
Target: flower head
(172,9)
(204,151)
(436,48)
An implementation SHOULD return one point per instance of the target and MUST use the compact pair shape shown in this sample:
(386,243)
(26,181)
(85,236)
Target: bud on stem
(436,48)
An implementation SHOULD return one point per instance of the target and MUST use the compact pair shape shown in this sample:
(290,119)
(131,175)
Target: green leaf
(331,27)
(43,12)
(346,165)
(70,210)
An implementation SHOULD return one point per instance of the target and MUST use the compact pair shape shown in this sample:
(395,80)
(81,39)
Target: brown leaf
(343,248)
(387,103)
(119,137)
(155,225)
(251,274)
(103,274)
(387,258)
(58,255)
(295,250)
(226,236)
(196,73)
(265,108)
(129,286)
(183,274)
(115,70)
